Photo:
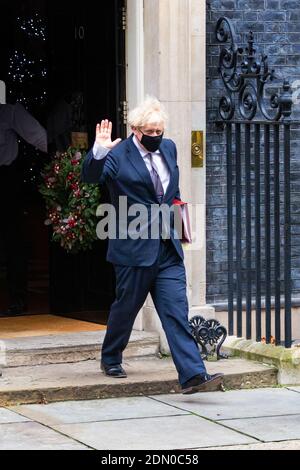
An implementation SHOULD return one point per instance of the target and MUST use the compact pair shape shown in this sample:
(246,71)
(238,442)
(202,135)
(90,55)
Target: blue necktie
(156,179)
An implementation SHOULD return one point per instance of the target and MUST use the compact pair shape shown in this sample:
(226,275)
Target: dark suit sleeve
(177,196)
(98,171)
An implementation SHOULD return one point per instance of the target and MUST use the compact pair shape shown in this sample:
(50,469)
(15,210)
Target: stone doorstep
(72,347)
(286,361)
(146,376)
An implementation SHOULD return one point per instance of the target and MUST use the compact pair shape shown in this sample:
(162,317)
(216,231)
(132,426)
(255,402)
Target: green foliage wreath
(71,205)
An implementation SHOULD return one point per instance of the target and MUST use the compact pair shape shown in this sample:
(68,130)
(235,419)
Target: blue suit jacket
(125,173)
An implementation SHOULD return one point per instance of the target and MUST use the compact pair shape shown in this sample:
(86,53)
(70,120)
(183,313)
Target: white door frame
(135,73)
(135,52)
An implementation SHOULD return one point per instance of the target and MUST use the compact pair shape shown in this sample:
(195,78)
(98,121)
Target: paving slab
(295,388)
(96,410)
(238,403)
(33,436)
(146,376)
(285,445)
(8,416)
(164,433)
(275,428)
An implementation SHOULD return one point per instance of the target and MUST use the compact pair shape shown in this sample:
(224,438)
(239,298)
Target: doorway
(73,48)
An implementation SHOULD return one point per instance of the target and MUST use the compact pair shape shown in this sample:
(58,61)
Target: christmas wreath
(71,205)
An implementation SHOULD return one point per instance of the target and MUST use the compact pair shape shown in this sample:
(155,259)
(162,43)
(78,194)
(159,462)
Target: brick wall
(276,27)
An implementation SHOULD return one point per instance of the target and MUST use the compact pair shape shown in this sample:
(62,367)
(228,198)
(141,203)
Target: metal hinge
(124,111)
(124,18)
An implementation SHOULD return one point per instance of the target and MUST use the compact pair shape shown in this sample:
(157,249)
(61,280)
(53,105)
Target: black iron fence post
(255,126)
(230,227)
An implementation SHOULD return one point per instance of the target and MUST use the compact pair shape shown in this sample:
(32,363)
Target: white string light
(33,27)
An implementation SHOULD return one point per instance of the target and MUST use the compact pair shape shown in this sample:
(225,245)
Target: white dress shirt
(159,162)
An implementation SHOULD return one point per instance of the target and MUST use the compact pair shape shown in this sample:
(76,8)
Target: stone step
(71,347)
(150,376)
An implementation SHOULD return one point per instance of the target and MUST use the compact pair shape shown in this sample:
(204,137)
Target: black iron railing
(258,135)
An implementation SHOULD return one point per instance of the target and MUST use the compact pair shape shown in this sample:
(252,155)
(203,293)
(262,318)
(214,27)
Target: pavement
(267,418)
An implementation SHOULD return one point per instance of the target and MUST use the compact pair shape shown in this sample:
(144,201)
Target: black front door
(86,55)
(72,47)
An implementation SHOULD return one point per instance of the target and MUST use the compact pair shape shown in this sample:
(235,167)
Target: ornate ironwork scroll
(247,76)
(210,335)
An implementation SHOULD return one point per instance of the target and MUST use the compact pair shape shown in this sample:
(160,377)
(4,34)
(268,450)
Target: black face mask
(151,143)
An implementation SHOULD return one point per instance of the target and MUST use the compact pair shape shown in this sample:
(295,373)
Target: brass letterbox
(197,149)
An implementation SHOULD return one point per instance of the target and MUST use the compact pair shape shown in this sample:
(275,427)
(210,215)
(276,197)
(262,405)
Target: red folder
(183,213)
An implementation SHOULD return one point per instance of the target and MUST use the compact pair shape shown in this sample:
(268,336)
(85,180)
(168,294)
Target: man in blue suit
(143,168)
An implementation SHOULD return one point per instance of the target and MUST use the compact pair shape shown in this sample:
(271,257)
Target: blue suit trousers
(165,280)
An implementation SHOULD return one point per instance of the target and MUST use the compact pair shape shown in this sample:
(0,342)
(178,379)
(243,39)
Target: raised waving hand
(103,134)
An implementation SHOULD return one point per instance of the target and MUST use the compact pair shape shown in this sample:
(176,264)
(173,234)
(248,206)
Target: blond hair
(151,110)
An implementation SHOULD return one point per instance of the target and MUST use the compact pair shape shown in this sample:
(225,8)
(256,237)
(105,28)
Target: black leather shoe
(202,383)
(115,371)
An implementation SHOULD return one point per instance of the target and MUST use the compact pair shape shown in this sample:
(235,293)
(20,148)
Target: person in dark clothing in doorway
(15,122)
